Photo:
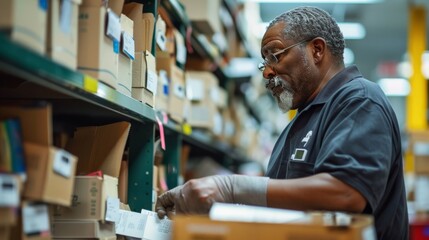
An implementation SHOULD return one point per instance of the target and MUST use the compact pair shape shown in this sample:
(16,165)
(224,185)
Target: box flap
(36,122)
(99,147)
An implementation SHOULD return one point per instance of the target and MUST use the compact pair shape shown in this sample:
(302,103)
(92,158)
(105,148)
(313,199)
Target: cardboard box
(177,99)
(25,21)
(419,147)
(62,31)
(123,183)
(162,92)
(204,15)
(200,87)
(200,227)
(126,57)
(83,229)
(99,148)
(143,95)
(34,223)
(97,52)
(36,122)
(9,216)
(5,232)
(144,71)
(50,174)
(144,26)
(89,198)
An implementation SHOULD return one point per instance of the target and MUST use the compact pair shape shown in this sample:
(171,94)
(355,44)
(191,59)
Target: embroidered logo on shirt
(307,137)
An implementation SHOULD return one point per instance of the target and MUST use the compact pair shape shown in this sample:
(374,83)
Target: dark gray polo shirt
(351,132)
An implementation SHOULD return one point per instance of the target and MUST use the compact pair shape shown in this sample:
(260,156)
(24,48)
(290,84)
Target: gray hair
(309,22)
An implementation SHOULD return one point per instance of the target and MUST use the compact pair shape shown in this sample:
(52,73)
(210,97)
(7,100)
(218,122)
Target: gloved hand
(197,195)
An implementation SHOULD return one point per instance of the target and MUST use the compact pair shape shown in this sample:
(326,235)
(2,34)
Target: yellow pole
(417,99)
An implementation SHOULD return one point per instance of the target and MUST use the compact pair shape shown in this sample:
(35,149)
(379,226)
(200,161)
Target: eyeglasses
(272,59)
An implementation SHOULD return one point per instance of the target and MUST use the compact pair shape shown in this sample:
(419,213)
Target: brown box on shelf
(88,229)
(200,86)
(419,147)
(25,21)
(123,183)
(9,216)
(99,148)
(50,174)
(36,122)
(162,92)
(89,198)
(192,227)
(143,95)
(204,15)
(97,53)
(177,98)
(144,26)
(125,76)
(62,31)
(34,222)
(144,76)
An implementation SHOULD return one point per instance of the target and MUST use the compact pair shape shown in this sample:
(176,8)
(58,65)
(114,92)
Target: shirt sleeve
(358,147)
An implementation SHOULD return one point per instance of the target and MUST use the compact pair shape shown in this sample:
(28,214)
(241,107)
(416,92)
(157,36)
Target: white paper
(66,16)
(128,45)
(156,229)
(179,90)
(130,224)
(9,191)
(152,81)
(113,29)
(161,40)
(244,213)
(194,89)
(164,80)
(35,218)
(62,163)
(112,209)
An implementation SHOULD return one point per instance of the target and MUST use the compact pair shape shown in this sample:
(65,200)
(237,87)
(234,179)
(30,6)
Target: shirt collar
(345,75)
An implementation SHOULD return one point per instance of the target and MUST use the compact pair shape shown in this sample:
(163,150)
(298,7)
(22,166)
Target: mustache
(276,81)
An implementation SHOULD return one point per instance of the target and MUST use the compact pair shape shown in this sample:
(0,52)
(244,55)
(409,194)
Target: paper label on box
(194,89)
(130,224)
(214,94)
(9,191)
(35,219)
(161,40)
(152,81)
(113,29)
(66,16)
(128,45)
(179,90)
(156,229)
(112,209)
(164,80)
(63,164)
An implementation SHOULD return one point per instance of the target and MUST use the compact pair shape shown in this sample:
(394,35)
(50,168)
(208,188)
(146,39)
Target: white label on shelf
(152,81)
(194,89)
(179,90)
(156,229)
(35,219)
(113,29)
(66,16)
(112,209)
(9,191)
(164,80)
(130,224)
(128,45)
(161,40)
(62,164)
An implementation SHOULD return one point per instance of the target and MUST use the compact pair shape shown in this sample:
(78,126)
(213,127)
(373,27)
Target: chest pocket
(298,169)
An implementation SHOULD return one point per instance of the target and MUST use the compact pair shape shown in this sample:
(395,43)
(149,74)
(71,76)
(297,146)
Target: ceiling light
(395,86)
(315,1)
(352,30)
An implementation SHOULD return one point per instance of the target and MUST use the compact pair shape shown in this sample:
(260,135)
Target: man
(341,152)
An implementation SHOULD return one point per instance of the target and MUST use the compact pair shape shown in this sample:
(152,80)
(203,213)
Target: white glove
(198,195)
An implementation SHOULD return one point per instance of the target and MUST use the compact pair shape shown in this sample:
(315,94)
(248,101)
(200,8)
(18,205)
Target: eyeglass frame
(263,65)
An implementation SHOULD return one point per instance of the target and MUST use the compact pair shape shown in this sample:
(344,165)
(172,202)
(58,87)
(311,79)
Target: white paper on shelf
(131,224)
(156,229)
(35,218)
(9,191)
(244,213)
(112,209)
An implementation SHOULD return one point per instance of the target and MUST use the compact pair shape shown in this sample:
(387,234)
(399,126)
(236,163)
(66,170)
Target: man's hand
(198,195)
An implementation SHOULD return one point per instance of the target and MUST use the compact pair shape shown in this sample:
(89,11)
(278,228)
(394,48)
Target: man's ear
(318,49)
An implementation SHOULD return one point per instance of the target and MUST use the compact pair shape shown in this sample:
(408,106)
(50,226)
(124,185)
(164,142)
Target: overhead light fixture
(349,30)
(395,87)
(352,30)
(316,1)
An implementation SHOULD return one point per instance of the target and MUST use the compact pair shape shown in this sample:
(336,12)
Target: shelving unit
(78,100)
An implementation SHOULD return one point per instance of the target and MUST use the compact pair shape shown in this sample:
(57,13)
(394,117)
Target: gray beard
(284,100)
